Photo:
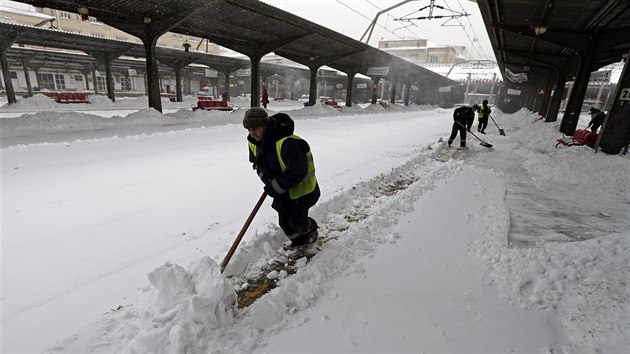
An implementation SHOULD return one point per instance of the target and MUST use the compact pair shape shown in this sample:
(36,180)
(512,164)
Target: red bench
(330,102)
(580,137)
(62,97)
(208,104)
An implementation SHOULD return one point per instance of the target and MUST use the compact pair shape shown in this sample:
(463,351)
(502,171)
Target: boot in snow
(304,239)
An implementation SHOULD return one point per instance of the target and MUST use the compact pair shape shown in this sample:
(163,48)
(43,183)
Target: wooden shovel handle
(249,220)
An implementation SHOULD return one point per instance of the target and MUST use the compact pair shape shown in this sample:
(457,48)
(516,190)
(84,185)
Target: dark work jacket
(597,120)
(294,156)
(465,116)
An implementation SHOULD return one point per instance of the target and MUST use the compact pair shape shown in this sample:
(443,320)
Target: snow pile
(316,109)
(585,282)
(189,303)
(510,249)
(158,327)
(104,101)
(75,121)
(38,101)
(57,126)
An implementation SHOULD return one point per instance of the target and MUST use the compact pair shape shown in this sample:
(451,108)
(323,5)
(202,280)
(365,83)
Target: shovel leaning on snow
(501,131)
(227,258)
(482,143)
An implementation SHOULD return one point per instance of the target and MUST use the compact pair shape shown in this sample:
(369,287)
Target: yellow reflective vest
(481,111)
(308,184)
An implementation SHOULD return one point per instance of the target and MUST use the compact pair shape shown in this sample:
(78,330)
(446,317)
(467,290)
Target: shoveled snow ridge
(358,218)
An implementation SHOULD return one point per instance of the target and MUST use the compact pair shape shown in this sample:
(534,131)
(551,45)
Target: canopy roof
(246,26)
(539,36)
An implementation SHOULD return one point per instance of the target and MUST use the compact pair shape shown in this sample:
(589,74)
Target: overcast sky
(352,18)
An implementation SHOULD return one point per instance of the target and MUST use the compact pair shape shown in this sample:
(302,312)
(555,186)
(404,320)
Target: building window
(92,19)
(13,74)
(66,15)
(78,78)
(433,60)
(101,83)
(125,83)
(46,81)
(60,82)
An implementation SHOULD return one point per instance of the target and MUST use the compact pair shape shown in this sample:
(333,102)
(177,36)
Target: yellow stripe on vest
(307,185)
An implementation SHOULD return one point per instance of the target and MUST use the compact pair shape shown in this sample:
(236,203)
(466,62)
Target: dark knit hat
(593,110)
(255,117)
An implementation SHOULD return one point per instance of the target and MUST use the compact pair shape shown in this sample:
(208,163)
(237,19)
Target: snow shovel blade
(501,131)
(484,144)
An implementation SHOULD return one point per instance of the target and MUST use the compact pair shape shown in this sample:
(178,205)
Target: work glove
(271,192)
(264,178)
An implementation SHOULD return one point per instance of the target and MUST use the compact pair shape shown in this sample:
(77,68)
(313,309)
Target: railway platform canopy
(542,44)
(249,27)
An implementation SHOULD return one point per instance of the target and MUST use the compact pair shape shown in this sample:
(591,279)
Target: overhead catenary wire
(416,35)
(367,18)
(472,42)
(475,46)
(472,28)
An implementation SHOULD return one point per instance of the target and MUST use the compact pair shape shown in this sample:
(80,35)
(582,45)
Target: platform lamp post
(84,12)
(540,30)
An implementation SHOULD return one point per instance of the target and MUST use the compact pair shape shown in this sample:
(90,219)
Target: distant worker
(265,98)
(482,115)
(597,119)
(463,118)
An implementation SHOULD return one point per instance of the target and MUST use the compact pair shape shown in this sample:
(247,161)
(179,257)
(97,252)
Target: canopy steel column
(392,92)
(106,59)
(407,92)
(375,81)
(27,76)
(349,88)
(94,81)
(554,105)
(255,80)
(5,44)
(35,69)
(312,91)
(109,79)
(7,79)
(177,67)
(149,29)
(226,84)
(574,105)
(178,86)
(544,106)
(152,73)
(615,132)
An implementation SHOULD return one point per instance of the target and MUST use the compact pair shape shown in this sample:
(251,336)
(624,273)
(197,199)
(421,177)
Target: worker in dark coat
(284,163)
(463,120)
(597,119)
(482,115)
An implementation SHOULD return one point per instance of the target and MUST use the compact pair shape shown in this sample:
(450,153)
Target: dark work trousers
(462,134)
(294,223)
(483,123)
(595,127)
(293,213)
